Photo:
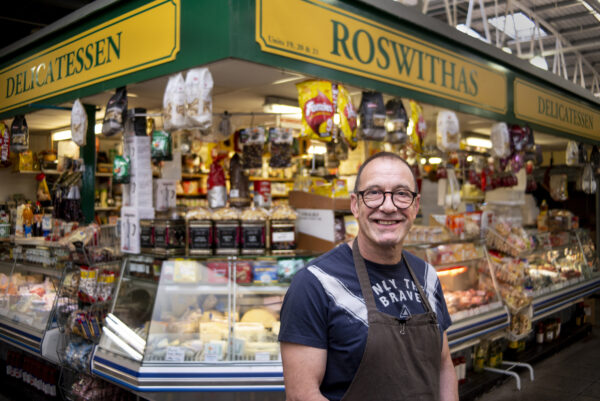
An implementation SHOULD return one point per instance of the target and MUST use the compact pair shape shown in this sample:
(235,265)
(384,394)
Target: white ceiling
(241,87)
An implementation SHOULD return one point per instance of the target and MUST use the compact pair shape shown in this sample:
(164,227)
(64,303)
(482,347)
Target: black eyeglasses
(401,198)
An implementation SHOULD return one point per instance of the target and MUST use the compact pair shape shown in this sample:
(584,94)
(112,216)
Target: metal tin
(200,237)
(227,237)
(253,237)
(169,237)
(282,236)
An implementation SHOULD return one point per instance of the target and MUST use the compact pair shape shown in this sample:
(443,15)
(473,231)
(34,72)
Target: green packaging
(121,170)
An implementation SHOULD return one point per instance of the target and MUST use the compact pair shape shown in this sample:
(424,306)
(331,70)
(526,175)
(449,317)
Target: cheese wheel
(259,315)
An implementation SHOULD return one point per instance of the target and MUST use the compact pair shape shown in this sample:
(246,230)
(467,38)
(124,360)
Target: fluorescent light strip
(121,344)
(479,142)
(124,331)
(66,134)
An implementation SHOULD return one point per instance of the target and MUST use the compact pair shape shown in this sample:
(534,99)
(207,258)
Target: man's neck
(389,255)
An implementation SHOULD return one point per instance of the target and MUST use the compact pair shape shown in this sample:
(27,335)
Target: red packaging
(4,145)
(262,193)
(243,272)
(217,272)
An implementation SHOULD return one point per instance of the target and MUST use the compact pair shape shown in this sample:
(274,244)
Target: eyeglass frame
(414,196)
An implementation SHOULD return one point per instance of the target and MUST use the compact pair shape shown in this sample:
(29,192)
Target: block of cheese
(250,331)
(259,315)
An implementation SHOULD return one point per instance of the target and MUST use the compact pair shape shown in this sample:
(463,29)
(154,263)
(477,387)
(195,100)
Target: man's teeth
(387,222)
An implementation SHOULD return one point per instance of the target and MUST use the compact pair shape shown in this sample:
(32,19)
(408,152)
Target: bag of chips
(254,144)
(116,112)
(198,98)
(280,147)
(317,99)
(371,117)
(447,133)
(4,145)
(161,146)
(121,170)
(500,140)
(79,123)
(572,153)
(395,122)
(348,117)
(174,103)
(417,126)
(19,134)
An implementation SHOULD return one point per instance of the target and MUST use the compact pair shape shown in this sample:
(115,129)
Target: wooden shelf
(307,200)
(103,174)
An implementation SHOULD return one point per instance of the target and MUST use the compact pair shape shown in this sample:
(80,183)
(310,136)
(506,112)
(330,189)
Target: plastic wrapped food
(588,182)
(519,137)
(500,140)
(239,195)
(396,120)
(558,187)
(348,117)
(281,147)
(448,133)
(216,189)
(174,103)
(317,99)
(19,135)
(161,145)
(4,145)
(226,213)
(79,123)
(371,117)
(116,111)
(254,144)
(121,174)
(198,98)
(254,214)
(572,153)
(283,212)
(417,126)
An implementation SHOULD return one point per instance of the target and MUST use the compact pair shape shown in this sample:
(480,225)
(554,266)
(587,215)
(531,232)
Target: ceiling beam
(567,17)
(579,29)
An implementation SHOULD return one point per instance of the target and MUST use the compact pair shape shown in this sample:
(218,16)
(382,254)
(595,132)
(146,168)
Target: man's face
(386,225)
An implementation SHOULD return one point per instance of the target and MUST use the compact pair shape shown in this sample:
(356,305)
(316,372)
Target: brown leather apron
(402,357)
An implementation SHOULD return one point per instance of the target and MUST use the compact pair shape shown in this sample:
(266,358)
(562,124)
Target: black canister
(169,237)
(200,237)
(147,235)
(253,237)
(283,236)
(227,237)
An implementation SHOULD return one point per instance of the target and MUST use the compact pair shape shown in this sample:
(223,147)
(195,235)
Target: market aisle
(573,374)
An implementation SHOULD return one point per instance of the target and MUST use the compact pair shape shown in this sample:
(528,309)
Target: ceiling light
(435,160)
(278,105)
(469,158)
(452,271)
(525,27)
(478,142)
(539,62)
(65,134)
(316,149)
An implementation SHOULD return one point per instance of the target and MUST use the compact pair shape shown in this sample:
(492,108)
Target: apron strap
(419,287)
(363,278)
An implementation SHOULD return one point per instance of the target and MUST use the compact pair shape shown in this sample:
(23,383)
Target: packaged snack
(116,111)
(161,145)
(174,103)
(4,145)
(262,193)
(558,187)
(198,98)
(395,121)
(43,193)
(500,140)
(317,99)
(348,117)
(217,191)
(79,123)
(417,126)
(239,195)
(121,173)
(19,134)
(280,147)
(519,137)
(87,284)
(447,134)
(371,117)
(572,153)
(588,183)
(253,140)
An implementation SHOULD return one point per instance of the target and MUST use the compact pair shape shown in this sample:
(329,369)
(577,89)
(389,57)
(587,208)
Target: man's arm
(448,381)
(303,371)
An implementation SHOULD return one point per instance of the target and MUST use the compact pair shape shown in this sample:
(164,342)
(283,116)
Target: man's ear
(354,204)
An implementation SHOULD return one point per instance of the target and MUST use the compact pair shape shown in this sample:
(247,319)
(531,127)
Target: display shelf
(107,209)
(307,200)
(103,174)
(555,301)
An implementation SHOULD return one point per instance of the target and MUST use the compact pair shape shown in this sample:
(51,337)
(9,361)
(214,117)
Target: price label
(283,237)
(175,354)
(262,356)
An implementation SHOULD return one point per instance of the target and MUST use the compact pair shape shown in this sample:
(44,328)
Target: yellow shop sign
(139,39)
(319,33)
(547,108)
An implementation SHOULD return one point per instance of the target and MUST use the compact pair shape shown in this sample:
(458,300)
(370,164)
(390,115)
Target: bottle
(27,220)
(542,219)
(540,333)
(480,356)
(549,332)
(37,220)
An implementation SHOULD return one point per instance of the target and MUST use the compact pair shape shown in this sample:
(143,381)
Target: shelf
(106,209)
(104,174)
(47,271)
(191,195)
(307,200)
(454,264)
(27,171)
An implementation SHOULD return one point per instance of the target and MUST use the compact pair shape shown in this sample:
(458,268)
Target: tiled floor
(573,374)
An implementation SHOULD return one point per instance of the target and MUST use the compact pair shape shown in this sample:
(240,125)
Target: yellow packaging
(340,188)
(317,100)
(348,117)
(417,126)
(320,187)
(26,161)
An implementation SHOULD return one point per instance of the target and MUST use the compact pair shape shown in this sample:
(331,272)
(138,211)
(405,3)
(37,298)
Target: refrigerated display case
(200,325)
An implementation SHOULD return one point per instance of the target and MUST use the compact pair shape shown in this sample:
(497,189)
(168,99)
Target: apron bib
(401,360)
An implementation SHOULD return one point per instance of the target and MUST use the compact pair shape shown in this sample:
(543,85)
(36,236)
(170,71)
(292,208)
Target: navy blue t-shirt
(324,308)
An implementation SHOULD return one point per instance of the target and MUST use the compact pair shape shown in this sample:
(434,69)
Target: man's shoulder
(415,262)
(334,258)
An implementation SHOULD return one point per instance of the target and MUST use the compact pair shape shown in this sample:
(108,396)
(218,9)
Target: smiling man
(367,320)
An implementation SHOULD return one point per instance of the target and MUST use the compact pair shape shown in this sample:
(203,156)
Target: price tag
(262,356)
(283,237)
(175,354)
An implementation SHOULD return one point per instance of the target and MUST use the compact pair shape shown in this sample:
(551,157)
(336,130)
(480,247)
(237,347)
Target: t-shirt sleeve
(443,316)
(304,312)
